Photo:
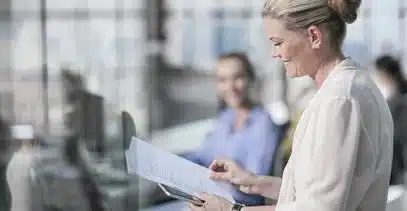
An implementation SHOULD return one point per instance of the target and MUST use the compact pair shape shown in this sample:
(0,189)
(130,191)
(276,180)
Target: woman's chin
(235,103)
(292,74)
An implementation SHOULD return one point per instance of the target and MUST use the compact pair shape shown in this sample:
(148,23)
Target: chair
(277,166)
(128,131)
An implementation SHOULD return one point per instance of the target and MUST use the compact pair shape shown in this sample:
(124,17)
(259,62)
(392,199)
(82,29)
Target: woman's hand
(228,170)
(247,182)
(212,203)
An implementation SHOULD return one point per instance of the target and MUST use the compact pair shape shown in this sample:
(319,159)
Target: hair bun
(346,9)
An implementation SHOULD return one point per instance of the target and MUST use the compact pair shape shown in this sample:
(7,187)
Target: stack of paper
(163,167)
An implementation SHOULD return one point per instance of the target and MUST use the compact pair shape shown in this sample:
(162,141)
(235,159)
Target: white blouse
(342,148)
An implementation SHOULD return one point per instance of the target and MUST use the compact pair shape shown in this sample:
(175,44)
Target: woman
(244,131)
(388,75)
(342,147)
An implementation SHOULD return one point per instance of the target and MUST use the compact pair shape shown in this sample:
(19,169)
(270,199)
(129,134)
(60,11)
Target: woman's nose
(229,85)
(275,54)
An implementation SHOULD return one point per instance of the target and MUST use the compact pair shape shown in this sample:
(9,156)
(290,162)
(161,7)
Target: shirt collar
(231,117)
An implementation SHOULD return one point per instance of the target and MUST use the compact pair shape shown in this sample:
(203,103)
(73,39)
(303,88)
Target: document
(160,166)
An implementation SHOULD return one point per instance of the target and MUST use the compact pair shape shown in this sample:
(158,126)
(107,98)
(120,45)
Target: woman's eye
(277,43)
(221,80)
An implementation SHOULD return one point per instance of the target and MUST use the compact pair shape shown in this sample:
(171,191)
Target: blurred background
(85,75)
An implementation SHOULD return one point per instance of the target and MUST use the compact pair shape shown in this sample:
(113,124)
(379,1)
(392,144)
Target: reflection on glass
(103,33)
(5,36)
(127,89)
(109,5)
(231,36)
(236,4)
(385,36)
(62,43)
(174,44)
(25,5)
(28,98)
(128,52)
(62,4)
(26,45)
(133,4)
(190,42)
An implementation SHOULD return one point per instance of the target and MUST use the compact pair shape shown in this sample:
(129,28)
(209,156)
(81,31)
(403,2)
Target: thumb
(245,189)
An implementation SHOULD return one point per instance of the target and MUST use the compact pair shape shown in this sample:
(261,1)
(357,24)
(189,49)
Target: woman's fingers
(245,189)
(223,176)
(192,207)
(204,196)
(220,165)
(249,189)
(220,170)
(244,178)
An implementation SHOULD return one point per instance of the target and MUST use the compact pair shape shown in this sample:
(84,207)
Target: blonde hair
(300,14)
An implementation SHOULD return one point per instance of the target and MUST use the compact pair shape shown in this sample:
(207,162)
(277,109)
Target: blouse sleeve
(325,186)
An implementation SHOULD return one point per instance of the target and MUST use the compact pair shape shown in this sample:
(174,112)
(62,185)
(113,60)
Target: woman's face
(293,48)
(232,82)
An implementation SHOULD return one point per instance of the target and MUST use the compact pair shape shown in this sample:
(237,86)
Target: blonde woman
(342,146)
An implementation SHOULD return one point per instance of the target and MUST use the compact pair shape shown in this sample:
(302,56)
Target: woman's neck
(242,114)
(326,66)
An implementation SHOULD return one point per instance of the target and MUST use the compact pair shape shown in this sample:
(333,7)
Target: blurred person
(342,148)
(244,131)
(389,77)
(74,147)
(20,171)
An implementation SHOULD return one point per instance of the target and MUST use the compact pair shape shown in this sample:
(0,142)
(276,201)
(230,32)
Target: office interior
(87,75)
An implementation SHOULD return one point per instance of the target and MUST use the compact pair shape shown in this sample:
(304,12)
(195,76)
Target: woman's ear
(315,36)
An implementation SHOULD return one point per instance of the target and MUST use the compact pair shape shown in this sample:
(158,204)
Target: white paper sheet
(163,167)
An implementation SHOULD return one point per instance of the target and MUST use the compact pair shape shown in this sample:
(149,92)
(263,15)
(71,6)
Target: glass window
(103,5)
(386,37)
(57,5)
(231,36)
(5,38)
(101,40)
(190,42)
(132,4)
(25,6)
(26,46)
(62,44)
(175,41)
(130,46)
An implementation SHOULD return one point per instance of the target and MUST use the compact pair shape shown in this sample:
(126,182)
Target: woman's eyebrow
(275,39)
